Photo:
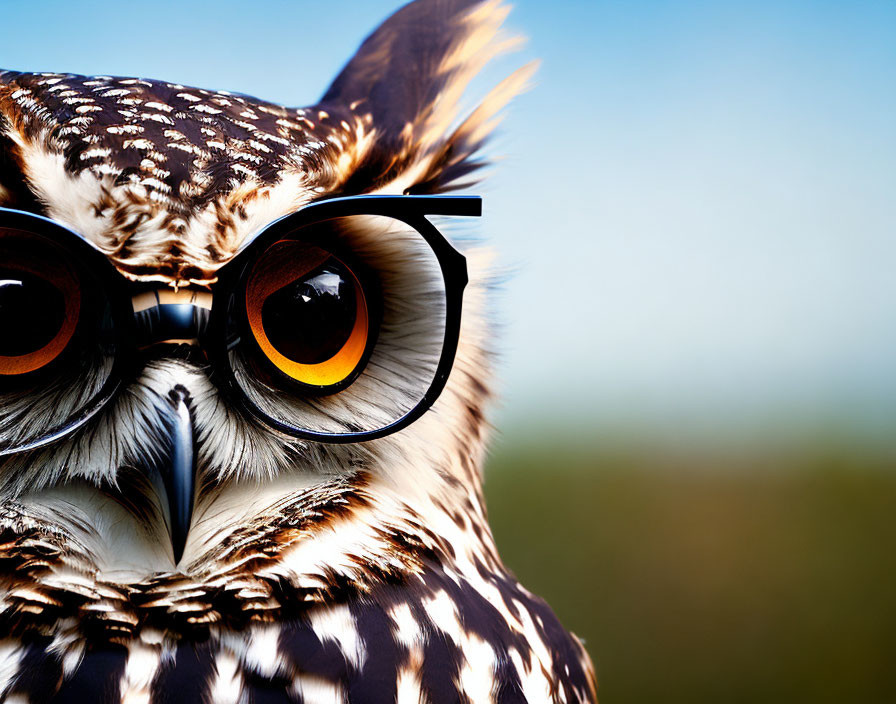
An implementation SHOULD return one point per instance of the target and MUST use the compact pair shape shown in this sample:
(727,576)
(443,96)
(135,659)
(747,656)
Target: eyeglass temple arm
(396,206)
(470,206)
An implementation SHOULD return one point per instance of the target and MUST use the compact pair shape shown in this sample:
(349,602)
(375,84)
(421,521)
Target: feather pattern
(311,573)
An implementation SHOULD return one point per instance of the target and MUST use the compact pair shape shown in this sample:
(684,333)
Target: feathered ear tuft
(403,89)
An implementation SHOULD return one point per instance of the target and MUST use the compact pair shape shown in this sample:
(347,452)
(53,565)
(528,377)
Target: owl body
(309,572)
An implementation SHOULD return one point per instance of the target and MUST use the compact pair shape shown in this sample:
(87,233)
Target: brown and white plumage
(312,573)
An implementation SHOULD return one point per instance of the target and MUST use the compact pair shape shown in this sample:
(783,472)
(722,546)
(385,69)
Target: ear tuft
(403,89)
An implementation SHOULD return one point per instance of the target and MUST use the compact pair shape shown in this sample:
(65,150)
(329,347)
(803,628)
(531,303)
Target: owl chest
(434,640)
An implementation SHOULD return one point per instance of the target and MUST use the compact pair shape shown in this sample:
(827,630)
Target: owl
(244,378)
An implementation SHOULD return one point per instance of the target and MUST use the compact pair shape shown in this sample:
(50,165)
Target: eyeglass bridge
(164,316)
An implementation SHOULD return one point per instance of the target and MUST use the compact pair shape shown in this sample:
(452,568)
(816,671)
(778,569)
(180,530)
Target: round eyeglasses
(337,323)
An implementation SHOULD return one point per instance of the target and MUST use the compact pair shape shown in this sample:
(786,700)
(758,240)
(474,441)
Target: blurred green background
(709,576)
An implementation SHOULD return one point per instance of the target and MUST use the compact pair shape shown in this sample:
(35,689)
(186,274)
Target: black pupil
(31,313)
(311,319)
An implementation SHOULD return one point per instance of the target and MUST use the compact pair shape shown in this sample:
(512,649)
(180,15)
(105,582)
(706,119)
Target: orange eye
(40,303)
(307,312)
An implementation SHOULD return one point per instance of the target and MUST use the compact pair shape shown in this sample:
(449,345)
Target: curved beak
(175,319)
(179,474)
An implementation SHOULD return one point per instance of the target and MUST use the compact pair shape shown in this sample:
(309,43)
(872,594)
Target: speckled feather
(311,573)
(160,151)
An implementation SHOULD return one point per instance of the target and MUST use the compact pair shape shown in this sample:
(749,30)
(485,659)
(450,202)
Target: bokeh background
(695,217)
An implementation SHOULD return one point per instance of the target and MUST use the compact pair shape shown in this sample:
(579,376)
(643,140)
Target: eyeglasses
(337,323)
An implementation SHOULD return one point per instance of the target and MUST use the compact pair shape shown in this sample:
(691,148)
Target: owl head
(235,338)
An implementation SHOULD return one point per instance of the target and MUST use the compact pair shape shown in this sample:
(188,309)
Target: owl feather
(312,572)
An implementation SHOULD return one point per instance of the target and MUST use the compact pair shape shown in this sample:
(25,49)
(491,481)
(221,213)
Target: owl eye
(308,314)
(39,308)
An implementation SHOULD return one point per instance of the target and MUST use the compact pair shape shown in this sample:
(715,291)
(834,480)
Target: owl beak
(179,475)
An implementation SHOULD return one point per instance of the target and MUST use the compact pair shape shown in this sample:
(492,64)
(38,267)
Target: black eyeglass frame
(409,209)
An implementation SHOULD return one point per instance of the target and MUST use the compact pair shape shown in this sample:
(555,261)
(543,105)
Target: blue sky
(695,201)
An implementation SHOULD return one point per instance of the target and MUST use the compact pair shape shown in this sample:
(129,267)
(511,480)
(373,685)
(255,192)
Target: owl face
(315,331)
(224,313)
